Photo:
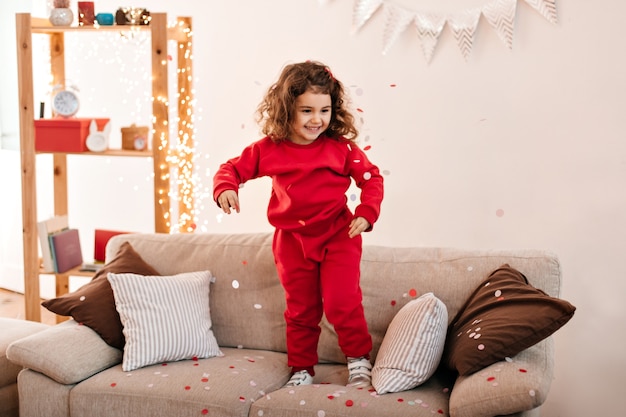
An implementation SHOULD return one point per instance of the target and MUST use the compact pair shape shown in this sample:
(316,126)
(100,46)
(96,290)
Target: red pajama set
(317,262)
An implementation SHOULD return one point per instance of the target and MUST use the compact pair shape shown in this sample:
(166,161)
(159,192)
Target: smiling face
(312,115)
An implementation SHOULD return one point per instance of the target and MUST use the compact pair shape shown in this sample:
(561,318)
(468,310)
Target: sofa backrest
(247,300)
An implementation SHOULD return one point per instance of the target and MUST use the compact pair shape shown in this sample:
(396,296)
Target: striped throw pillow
(165,318)
(412,347)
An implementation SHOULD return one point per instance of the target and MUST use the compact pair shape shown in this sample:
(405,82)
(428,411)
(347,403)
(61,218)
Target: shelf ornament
(500,14)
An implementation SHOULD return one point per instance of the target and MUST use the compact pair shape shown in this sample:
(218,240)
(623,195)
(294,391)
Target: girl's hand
(227,200)
(357,226)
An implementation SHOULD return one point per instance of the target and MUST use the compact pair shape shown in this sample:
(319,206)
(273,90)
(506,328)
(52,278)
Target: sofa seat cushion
(12,330)
(72,352)
(506,387)
(220,386)
(329,397)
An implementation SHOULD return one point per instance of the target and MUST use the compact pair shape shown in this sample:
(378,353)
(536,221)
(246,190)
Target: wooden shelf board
(109,152)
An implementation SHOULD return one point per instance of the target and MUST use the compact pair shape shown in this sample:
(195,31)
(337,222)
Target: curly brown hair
(275,113)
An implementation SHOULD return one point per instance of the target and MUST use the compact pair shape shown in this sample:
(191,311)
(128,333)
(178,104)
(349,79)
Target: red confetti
(205,379)
(196,364)
(232,367)
(349,403)
(440,411)
(392,85)
(393,302)
(523,370)
(412,292)
(169,57)
(331,397)
(242,399)
(367,148)
(195,358)
(113,385)
(163,364)
(244,262)
(359,110)
(187,388)
(400,400)
(205,411)
(251,360)
(491,378)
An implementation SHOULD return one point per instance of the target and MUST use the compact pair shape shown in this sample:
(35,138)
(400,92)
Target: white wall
(512,149)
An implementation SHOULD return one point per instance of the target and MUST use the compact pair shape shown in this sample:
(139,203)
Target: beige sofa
(72,372)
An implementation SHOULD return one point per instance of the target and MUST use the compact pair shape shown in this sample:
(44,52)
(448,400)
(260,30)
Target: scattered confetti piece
(187,388)
(481,347)
(367,148)
(349,403)
(523,370)
(393,302)
(413,292)
(235,284)
(205,411)
(531,392)
(359,110)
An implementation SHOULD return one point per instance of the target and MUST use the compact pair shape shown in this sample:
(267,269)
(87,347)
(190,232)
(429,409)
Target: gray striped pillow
(412,347)
(165,318)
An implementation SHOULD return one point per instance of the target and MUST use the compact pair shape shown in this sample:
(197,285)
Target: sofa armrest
(68,353)
(518,384)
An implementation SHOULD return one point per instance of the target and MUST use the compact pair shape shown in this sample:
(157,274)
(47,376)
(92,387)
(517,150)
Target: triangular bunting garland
(429,27)
(547,8)
(363,10)
(501,16)
(398,19)
(463,27)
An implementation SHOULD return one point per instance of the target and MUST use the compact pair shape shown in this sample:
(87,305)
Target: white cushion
(165,318)
(412,347)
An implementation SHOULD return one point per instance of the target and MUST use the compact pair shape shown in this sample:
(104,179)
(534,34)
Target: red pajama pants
(321,275)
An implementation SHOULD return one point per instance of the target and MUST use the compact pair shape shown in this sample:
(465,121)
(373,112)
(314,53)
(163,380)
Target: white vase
(60,16)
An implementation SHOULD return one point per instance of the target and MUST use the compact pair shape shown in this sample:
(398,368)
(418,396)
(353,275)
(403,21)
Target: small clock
(140,143)
(98,141)
(65,103)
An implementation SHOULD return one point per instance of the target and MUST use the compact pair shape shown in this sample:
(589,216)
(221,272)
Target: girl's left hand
(357,226)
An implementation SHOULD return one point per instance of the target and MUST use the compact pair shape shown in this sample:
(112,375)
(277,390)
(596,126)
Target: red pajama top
(309,182)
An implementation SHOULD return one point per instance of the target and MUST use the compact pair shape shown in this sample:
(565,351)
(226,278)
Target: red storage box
(64,135)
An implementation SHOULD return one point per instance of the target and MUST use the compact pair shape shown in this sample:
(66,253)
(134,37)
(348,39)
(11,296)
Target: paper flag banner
(463,27)
(363,10)
(547,8)
(429,27)
(501,16)
(398,19)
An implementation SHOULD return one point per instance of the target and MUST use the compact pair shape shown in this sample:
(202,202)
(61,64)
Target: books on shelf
(102,237)
(46,229)
(66,251)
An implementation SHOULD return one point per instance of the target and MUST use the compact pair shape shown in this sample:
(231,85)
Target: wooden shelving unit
(26,27)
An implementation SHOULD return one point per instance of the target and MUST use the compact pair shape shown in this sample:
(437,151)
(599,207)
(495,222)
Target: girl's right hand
(227,200)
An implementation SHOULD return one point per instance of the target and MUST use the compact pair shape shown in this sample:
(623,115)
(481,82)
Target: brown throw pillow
(93,304)
(502,317)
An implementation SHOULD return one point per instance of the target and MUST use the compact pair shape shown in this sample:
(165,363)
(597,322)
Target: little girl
(310,153)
